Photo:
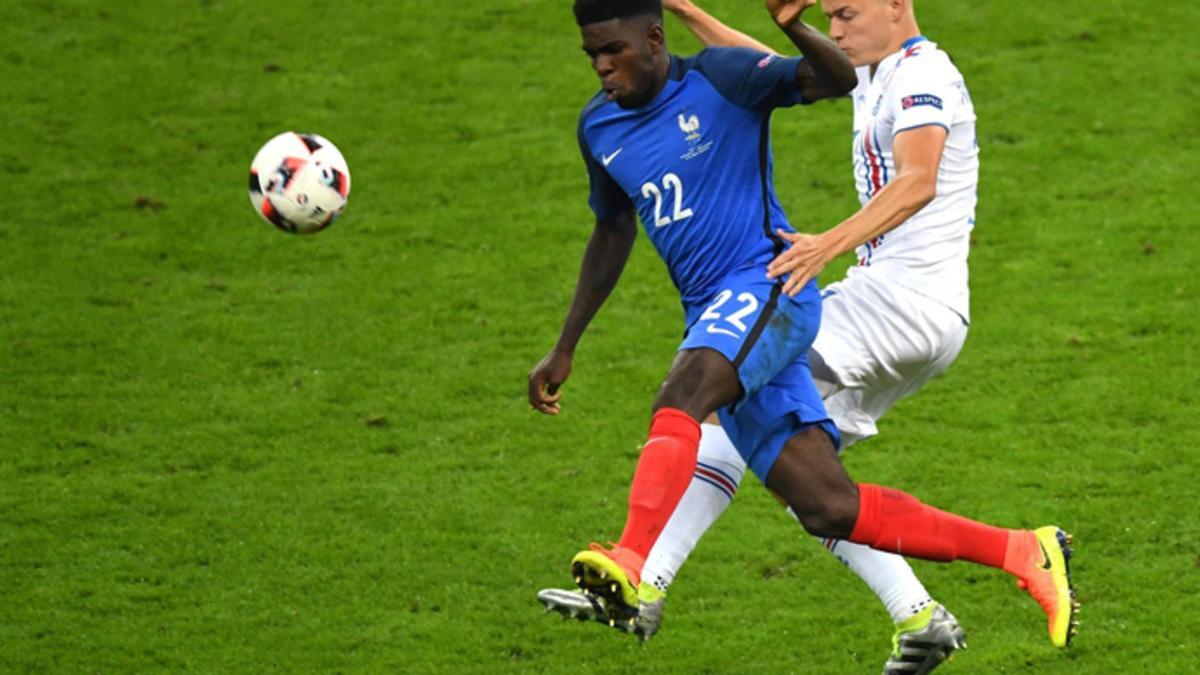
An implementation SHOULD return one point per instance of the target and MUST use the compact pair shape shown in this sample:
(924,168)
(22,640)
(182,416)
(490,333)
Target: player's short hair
(595,11)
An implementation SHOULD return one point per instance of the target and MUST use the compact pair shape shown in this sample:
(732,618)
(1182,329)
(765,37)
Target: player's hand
(787,12)
(545,379)
(804,260)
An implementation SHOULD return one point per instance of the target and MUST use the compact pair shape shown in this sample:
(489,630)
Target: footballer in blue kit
(705,197)
(684,144)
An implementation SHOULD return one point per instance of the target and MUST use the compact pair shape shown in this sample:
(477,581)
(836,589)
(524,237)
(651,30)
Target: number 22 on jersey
(673,186)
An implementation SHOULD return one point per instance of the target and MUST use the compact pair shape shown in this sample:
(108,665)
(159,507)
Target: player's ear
(656,39)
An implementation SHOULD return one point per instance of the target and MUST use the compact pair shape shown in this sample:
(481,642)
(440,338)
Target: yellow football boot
(613,574)
(1040,559)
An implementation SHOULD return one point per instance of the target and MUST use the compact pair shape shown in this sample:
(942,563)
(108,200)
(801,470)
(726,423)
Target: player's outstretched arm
(917,152)
(709,30)
(603,261)
(826,71)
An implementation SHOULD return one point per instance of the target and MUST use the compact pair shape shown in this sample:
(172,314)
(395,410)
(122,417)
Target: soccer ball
(299,182)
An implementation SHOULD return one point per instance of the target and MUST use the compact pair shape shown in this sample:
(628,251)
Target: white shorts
(879,342)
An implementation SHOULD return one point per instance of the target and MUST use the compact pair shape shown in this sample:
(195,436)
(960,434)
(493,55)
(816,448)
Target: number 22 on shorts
(734,319)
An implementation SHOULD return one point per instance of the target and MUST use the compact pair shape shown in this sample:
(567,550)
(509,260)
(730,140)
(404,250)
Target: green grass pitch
(227,449)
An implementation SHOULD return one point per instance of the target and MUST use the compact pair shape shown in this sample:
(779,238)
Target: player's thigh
(945,332)
(884,369)
(764,421)
(878,336)
(699,381)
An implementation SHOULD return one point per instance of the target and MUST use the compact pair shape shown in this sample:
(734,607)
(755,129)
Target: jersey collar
(892,59)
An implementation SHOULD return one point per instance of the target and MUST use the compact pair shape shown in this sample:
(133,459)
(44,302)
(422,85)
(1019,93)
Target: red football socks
(663,474)
(891,520)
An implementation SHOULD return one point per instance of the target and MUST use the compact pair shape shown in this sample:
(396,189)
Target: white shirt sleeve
(925,91)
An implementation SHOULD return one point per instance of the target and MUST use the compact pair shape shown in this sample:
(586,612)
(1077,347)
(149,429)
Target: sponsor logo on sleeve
(921,99)
(766,60)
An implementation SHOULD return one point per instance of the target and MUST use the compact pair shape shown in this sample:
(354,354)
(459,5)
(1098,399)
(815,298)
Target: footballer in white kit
(900,316)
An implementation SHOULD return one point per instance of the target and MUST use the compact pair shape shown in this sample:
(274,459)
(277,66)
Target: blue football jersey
(695,162)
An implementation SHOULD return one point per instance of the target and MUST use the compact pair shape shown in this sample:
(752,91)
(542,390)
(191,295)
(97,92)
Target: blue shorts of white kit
(766,335)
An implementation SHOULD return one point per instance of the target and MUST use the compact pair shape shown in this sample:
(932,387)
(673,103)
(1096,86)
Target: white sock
(888,575)
(719,470)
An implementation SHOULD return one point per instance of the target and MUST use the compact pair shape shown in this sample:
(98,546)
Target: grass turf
(227,449)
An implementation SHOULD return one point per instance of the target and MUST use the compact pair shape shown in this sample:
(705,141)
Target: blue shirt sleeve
(749,78)
(605,196)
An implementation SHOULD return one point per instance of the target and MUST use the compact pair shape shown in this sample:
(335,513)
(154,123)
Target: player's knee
(833,516)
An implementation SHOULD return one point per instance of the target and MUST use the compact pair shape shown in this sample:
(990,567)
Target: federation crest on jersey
(690,126)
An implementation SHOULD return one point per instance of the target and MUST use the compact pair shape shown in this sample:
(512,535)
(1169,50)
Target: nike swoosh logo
(607,159)
(1045,556)
(713,329)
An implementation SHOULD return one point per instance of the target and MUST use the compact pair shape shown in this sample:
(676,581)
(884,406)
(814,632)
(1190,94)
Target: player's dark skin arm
(603,261)
(826,71)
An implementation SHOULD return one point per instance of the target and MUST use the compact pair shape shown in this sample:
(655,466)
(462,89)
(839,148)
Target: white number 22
(670,182)
(749,304)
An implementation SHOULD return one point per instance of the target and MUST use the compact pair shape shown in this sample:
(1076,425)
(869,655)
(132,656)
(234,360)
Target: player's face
(623,54)
(862,28)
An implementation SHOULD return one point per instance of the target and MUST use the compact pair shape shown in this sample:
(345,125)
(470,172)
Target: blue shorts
(766,335)
(762,422)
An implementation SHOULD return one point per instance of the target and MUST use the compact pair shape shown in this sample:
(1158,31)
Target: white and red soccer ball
(299,182)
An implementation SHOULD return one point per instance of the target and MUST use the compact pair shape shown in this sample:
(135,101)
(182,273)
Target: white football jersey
(914,87)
